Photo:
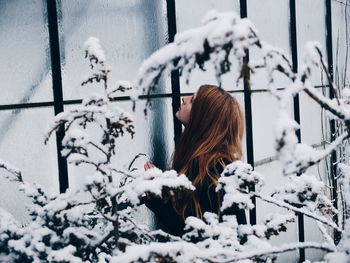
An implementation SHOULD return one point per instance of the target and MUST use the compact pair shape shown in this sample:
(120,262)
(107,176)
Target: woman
(212,137)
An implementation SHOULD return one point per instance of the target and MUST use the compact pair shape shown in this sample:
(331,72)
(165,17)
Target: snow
(93,48)
(218,29)
(271,225)
(155,181)
(302,189)
(65,254)
(311,52)
(119,86)
(346,93)
(235,180)
(14,173)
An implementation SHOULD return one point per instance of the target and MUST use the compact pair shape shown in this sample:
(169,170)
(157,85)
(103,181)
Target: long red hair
(213,134)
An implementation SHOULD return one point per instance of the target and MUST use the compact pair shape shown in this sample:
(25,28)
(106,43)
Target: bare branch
(323,102)
(101,150)
(329,78)
(135,158)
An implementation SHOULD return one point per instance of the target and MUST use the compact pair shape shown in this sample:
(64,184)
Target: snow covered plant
(98,226)
(224,36)
(95,222)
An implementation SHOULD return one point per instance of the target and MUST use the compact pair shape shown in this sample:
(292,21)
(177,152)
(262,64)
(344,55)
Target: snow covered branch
(220,34)
(278,250)
(15,174)
(297,210)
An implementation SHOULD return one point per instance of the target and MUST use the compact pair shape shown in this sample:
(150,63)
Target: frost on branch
(155,182)
(94,51)
(272,224)
(14,173)
(206,240)
(297,157)
(211,230)
(235,180)
(304,190)
(212,240)
(95,111)
(220,34)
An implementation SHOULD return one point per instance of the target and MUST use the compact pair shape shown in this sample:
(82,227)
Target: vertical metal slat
(293,41)
(175,76)
(248,115)
(333,161)
(57,89)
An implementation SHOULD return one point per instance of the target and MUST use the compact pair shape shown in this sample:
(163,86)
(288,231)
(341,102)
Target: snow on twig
(303,211)
(94,51)
(220,33)
(325,235)
(16,174)
(306,156)
(154,181)
(278,250)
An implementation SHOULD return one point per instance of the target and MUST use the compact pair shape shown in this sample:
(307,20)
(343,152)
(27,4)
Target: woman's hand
(148,165)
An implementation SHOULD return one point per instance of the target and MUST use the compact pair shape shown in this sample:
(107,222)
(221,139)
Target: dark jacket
(209,200)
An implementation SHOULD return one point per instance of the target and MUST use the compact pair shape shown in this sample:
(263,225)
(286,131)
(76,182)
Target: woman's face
(184,112)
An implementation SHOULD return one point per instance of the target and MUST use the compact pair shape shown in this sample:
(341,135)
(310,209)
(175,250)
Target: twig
(135,158)
(279,250)
(323,102)
(99,148)
(150,238)
(323,154)
(97,166)
(297,210)
(8,167)
(72,205)
(103,240)
(122,172)
(329,77)
(99,209)
(326,236)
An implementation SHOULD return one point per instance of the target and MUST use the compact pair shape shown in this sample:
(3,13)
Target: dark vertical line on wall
(333,171)
(294,47)
(243,8)
(329,39)
(175,75)
(57,88)
(293,41)
(248,113)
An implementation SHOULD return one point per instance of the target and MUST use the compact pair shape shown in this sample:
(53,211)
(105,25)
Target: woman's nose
(185,99)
